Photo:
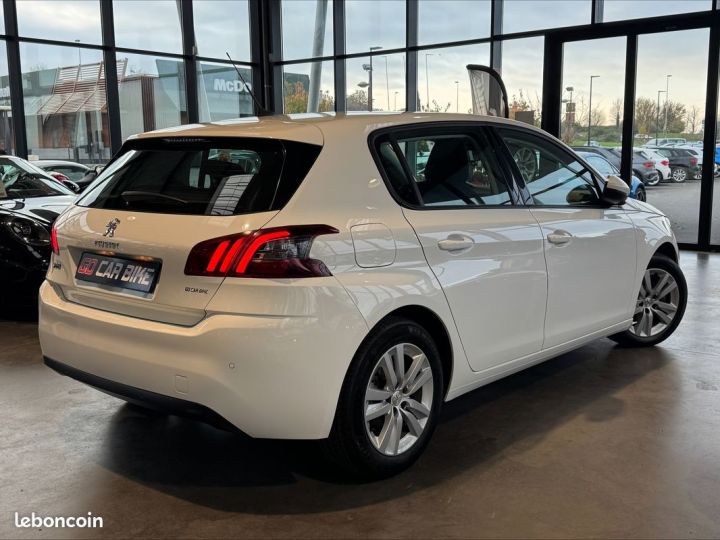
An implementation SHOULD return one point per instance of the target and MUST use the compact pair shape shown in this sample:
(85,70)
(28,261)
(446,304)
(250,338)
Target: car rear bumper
(271,377)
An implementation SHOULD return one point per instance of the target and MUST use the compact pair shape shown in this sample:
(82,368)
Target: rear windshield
(212,177)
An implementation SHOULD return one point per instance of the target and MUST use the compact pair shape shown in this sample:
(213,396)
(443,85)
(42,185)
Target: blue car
(604,167)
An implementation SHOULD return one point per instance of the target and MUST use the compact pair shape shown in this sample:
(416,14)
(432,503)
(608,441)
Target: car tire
(374,449)
(678,174)
(654,181)
(666,307)
(641,195)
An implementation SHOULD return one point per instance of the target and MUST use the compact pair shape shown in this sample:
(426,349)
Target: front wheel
(389,402)
(641,195)
(678,174)
(660,305)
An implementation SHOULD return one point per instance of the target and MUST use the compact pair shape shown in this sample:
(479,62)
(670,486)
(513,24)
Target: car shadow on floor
(234,473)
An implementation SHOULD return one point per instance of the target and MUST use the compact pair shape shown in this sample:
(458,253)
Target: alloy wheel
(398,399)
(641,195)
(527,163)
(679,174)
(657,303)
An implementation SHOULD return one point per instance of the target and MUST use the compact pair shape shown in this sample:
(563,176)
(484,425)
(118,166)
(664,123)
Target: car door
(486,252)
(589,246)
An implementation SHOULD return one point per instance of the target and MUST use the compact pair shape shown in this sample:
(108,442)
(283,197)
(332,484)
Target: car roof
(56,162)
(312,127)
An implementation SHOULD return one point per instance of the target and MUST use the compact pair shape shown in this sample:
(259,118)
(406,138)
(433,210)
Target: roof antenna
(261,111)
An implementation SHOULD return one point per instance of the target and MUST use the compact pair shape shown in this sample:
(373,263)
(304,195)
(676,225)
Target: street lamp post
(387,83)
(667,97)
(657,116)
(427,82)
(590,106)
(457,96)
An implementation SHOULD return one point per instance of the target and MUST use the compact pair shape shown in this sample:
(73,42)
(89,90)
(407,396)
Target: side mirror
(616,191)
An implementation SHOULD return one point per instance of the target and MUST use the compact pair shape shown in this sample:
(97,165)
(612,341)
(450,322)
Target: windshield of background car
(18,182)
(212,177)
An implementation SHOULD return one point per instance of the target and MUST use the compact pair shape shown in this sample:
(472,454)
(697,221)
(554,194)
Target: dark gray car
(642,167)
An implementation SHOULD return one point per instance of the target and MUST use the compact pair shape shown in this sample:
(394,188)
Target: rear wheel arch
(434,325)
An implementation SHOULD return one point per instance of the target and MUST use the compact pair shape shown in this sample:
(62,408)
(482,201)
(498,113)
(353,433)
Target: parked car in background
(326,291)
(605,168)
(665,141)
(29,204)
(642,167)
(662,163)
(697,152)
(683,163)
(73,171)
(31,168)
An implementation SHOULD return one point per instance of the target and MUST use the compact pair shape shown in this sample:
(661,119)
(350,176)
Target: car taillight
(281,252)
(665,162)
(693,161)
(60,177)
(648,164)
(54,241)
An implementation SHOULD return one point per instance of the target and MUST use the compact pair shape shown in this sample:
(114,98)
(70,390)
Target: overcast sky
(223,25)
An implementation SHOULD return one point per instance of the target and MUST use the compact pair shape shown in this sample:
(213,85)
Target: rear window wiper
(130,196)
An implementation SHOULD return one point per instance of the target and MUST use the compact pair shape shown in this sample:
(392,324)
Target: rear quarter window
(214,177)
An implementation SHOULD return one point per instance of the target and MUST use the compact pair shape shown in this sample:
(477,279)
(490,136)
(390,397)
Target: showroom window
(308,87)
(307,28)
(379,79)
(152,93)
(69,20)
(443,81)
(232,36)
(522,73)
(65,103)
(526,15)
(670,103)
(443,21)
(152,25)
(615,10)
(222,94)
(7,134)
(371,26)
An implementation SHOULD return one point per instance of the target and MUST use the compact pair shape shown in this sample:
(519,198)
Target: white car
(297,279)
(662,163)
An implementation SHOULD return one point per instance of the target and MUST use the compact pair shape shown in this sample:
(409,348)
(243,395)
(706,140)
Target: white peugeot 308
(340,277)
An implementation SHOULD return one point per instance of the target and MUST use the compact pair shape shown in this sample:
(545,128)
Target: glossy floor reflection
(602,442)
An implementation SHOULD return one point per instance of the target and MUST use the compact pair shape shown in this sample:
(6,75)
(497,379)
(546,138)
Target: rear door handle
(455,242)
(559,237)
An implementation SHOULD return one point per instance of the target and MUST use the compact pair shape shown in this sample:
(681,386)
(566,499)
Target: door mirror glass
(616,191)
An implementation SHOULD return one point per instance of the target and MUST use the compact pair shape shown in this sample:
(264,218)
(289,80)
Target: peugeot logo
(110,227)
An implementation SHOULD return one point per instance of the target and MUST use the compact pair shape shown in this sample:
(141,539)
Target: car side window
(448,170)
(553,177)
(602,166)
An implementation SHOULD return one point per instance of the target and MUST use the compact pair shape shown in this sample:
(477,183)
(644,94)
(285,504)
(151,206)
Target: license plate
(123,273)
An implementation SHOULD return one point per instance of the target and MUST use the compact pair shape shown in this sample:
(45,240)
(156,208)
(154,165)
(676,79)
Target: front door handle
(455,242)
(559,237)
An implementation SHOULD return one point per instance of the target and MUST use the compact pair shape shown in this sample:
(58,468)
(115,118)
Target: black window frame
(598,181)
(422,129)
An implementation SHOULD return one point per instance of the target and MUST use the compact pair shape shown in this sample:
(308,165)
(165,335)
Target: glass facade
(65,103)
(78,77)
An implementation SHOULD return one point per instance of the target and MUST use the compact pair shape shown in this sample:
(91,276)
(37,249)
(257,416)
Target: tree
(693,119)
(357,101)
(296,99)
(616,110)
(645,115)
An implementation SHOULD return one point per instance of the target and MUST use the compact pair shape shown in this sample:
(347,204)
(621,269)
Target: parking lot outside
(681,203)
